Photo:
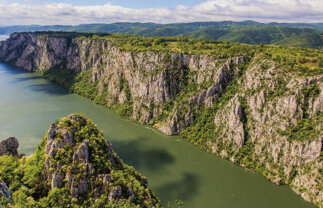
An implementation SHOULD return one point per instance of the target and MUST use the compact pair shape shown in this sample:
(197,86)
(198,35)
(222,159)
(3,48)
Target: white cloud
(217,10)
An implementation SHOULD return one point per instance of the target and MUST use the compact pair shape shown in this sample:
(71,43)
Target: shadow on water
(185,188)
(136,154)
(13,70)
(24,79)
(49,89)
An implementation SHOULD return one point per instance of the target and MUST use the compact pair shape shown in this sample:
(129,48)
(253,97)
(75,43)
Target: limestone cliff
(261,109)
(144,81)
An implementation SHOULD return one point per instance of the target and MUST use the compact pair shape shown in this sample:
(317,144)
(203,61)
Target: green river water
(175,169)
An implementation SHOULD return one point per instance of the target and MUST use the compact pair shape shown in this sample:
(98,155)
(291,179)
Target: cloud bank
(218,10)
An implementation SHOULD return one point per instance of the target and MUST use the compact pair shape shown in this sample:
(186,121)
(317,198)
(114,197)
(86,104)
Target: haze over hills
(309,35)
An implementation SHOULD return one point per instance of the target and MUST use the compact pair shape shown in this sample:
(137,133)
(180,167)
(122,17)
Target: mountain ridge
(249,32)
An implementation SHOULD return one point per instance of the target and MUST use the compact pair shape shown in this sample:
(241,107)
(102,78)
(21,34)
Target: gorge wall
(262,110)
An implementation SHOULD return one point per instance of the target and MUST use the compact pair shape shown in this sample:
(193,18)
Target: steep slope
(258,106)
(74,166)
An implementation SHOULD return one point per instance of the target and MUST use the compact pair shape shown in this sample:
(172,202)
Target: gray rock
(149,80)
(9,147)
(4,191)
(115,193)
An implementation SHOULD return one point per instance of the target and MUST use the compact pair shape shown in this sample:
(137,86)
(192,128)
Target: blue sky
(74,12)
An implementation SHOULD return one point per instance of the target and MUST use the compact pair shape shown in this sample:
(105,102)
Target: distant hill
(250,32)
(311,40)
(32,28)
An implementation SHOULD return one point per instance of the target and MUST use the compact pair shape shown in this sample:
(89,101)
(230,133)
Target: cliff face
(280,135)
(144,80)
(252,110)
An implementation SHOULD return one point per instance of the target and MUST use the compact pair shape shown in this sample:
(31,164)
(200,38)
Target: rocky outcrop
(230,127)
(255,110)
(307,181)
(9,147)
(76,163)
(78,158)
(4,191)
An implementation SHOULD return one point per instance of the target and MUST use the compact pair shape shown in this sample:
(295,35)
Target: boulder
(9,147)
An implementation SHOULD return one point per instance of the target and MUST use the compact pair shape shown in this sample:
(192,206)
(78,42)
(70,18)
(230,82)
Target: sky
(74,12)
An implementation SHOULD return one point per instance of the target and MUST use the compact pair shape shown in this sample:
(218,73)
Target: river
(175,169)
(4,37)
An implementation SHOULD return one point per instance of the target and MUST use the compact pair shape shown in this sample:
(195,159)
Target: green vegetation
(280,63)
(27,178)
(302,61)
(308,40)
(83,85)
(79,83)
(181,45)
(306,128)
(273,35)
(298,61)
(274,65)
(202,130)
(60,76)
(250,32)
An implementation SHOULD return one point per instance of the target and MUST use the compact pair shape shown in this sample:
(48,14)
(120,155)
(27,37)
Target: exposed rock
(9,147)
(60,138)
(283,157)
(230,127)
(4,191)
(149,79)
(78,158)
(252,128)
(115,193)
(307,181)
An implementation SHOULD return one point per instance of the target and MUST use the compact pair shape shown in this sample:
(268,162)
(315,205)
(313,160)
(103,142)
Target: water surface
(174,168)
(4,37)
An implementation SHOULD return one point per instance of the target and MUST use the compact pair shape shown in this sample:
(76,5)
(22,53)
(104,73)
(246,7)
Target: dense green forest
(250,32)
